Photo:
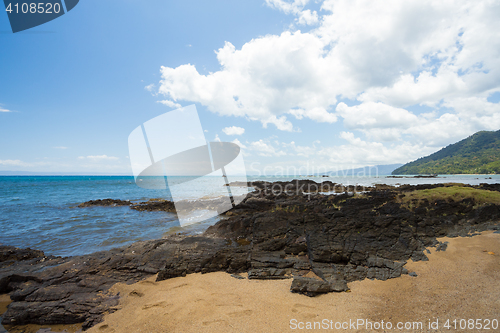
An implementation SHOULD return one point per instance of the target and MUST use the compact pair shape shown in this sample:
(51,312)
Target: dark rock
(269,273)
(10,253)
(154,205)
(105,202)
(54,290)
(313,287)
(442,246)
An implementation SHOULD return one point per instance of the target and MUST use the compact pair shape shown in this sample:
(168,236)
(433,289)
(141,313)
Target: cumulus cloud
(357,152)
(351,152)
(399,53)
(233,130)
(236,141)
(383,55)
(265,149)
(318,114)
(170,104)
(296,7)
(302,151)
(384,123)
(375,115)
(263,81)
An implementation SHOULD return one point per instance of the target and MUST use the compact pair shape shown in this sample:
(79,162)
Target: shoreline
(66,231)
(313,244)
(217,302)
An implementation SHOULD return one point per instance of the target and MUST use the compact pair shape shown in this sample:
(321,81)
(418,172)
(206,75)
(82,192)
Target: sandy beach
(459,283)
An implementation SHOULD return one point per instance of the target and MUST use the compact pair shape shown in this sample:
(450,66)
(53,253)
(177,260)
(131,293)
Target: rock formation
(321,242)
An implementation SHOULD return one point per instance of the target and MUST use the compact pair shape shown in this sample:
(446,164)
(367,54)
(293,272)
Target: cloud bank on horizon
(403,78)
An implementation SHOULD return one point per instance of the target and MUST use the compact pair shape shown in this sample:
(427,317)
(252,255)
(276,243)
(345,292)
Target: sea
(41,212)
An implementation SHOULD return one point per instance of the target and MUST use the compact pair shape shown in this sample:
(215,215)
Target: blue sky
(326,84)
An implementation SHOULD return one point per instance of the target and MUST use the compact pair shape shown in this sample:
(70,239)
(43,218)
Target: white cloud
(308,17)
(303,151)
(354,153)
(233,130)
(384,123)
(97,158)
(14,163)
(425,89)
(4,110)
(170,104)
(281,123)
(264,80)
(236,141)
(287,7)
(369,50)
(358,152)
(296,7)
(375,115)
(60,147)
(265,149)
(217,139)
(318,114)
(387,55)
(438,132)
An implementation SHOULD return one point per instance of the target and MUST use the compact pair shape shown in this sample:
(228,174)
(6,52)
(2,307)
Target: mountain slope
(479,153)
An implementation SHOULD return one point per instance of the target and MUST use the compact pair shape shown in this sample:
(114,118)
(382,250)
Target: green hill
(479,153)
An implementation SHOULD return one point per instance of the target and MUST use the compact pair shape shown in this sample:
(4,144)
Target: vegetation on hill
(478,154)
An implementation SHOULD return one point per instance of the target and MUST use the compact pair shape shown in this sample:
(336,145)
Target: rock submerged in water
(160,205)
(322,242)
(105,202)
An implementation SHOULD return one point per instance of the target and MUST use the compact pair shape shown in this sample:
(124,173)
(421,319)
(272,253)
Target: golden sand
(461,283)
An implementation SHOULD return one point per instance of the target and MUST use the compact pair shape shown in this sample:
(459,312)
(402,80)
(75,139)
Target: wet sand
(4,302)
(461,283)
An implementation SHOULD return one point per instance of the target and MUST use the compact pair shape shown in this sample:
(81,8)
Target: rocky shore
(321,235)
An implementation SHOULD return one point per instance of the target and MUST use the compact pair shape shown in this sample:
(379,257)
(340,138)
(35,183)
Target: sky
(298,84)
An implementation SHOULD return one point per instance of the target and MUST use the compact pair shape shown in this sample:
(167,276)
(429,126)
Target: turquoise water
(40,211)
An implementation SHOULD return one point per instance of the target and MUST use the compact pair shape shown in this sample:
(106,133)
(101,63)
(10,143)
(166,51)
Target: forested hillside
(479,153)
